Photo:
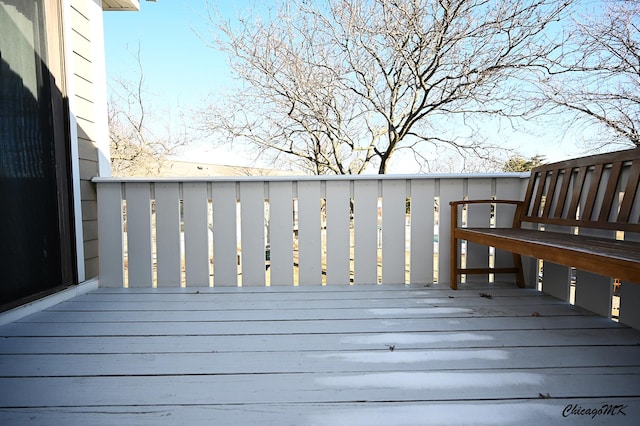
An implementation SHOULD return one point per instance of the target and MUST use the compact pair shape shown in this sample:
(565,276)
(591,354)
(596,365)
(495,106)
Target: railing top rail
(524,175)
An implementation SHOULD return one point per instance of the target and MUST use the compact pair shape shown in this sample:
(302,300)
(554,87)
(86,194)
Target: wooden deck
(390,355)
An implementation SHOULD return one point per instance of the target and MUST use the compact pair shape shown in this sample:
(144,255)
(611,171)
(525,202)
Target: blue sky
(181,70)
(177,63)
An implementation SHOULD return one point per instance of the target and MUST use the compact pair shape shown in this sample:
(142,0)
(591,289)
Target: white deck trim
(100,84)
(121,5)
(73,135)
(427,176)
(22,311)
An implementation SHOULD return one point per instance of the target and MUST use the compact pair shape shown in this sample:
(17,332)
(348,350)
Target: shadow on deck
(488,354)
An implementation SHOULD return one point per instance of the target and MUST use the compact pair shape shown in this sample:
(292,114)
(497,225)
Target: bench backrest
(598,191)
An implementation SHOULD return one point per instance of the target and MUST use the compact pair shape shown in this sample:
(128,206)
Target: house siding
(85,93)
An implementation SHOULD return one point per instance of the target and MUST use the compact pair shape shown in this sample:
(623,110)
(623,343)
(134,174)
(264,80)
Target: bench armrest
(516,202)
(516,216)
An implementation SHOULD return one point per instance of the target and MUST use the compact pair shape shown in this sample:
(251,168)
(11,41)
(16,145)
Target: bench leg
(453,278)
(517,262)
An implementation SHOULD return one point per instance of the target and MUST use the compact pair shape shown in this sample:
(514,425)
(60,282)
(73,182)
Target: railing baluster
(225,239)
(450,190)
(196,234)
(253,230)
(168,252)
(365,221)
(309,237)
(556,279)
(422,227)
(512,189)
(338,232)
(630,295)
(394,208)
(110,231)
(281,233)
(478,215)
(594,292)
(139,234)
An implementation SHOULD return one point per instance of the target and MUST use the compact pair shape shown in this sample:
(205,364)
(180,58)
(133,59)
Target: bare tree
(340,86)
(140,142)
(518,163)
(596,75)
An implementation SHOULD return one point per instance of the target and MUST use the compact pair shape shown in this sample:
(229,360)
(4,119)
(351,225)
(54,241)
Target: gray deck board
(510,412)
(380,359)
(249,328)
(320,342)
(186,314)
(338,355)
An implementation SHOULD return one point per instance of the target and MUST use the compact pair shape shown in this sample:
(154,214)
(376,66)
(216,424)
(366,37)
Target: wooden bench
(572,215)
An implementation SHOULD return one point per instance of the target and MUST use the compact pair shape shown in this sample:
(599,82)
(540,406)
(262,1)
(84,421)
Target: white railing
(254,231)
(289,231)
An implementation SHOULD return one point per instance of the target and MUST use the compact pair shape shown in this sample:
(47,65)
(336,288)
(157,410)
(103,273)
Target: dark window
(36,237)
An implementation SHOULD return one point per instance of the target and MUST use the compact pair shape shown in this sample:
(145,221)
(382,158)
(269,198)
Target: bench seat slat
(612,226)
(619,259)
